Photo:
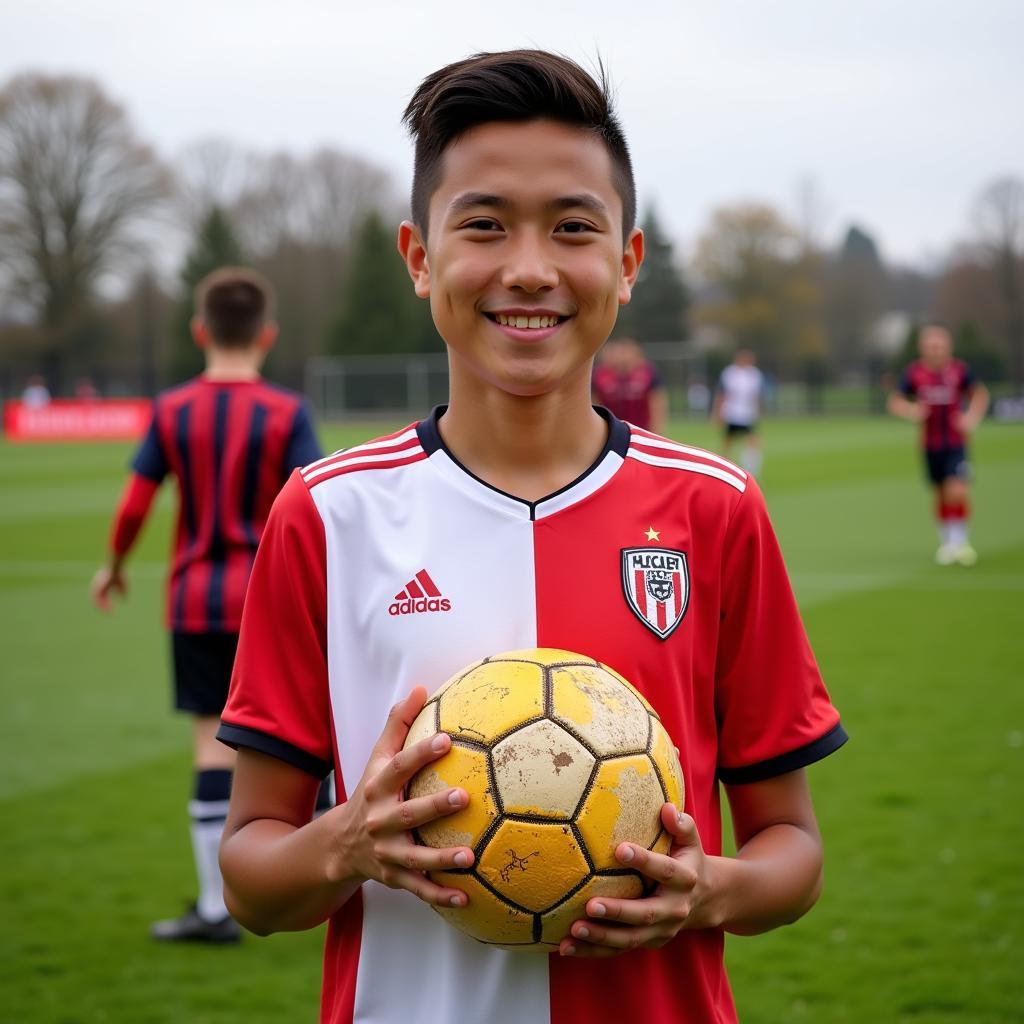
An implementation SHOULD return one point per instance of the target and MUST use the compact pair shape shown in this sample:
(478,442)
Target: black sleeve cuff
(789,762)
(236,736)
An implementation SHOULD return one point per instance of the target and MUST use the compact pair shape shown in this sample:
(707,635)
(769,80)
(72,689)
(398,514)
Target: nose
(529,266)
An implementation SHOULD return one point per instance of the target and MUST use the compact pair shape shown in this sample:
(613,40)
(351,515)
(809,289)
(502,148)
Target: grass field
(921,920)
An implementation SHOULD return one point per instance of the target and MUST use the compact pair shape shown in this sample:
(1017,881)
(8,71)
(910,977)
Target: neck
(233,364)
(529,447)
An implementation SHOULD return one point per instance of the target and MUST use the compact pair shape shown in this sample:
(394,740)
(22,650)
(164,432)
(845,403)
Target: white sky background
(899,110)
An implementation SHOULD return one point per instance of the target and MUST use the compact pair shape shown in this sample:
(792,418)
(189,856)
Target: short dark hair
(235,303)
(512,85)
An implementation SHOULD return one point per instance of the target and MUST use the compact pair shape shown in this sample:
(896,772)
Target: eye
(574,227)
(481,224)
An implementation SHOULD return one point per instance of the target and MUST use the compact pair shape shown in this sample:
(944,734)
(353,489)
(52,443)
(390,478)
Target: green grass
(921,920)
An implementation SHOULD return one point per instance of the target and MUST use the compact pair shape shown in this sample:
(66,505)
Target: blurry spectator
(36,393)
(627,384)
(85,390)
(738,408)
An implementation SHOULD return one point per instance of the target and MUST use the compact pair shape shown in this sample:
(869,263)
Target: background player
(627,384)
(517,504)
(737,408)
(933,392)
(230,439)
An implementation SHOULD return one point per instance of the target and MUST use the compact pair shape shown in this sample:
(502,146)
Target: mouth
(527,321)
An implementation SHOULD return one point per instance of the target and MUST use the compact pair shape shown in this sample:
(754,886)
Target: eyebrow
(472,200)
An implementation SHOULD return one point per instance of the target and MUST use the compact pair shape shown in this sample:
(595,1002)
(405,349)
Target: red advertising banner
(110,419)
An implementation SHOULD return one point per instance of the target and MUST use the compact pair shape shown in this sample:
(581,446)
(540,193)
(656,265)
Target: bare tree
(999,222)
(74,183)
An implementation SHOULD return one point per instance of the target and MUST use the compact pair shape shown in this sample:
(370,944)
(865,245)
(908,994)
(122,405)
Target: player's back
(230,446)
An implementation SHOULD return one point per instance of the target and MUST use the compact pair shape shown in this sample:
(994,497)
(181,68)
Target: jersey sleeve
(150,460)
(132,510)
(907,387)
(303,446)
(278,702)
(774,712)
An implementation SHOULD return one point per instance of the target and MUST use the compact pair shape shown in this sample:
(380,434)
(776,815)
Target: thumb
(401,716)
(680,826)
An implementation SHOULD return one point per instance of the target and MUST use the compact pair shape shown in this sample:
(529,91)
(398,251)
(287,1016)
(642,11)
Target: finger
(660,867)
(414,857)
(596,940)
(410,814)
(402,765)
(680,826)
(428,891)
(642,913)
(400,717)
(585,951)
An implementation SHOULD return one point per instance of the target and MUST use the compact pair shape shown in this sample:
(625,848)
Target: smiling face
(524,265)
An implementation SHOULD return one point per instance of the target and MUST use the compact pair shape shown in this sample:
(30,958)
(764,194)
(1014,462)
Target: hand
(964,422)
(107,580)
(377,838)
(616,925)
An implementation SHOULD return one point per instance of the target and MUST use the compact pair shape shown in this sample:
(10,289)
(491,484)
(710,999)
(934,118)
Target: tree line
(87,209)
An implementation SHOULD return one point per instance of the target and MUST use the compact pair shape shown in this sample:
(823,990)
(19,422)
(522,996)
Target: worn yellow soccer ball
(563,759)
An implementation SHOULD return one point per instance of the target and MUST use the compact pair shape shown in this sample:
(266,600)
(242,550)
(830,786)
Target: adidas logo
(420,595)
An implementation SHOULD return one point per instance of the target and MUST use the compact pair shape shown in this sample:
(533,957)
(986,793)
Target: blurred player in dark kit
(627,384)
(943,395)
(230,439)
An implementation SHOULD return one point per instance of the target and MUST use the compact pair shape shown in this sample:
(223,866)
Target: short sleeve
(303,446)
(278,702)
(969,382)
(656,383)
(774,712)
(907,387)
(150,460)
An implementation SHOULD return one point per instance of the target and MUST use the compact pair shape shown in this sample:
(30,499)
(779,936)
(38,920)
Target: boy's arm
(773,880)
(283,872)
(977,406)
(134,506)
(903,402)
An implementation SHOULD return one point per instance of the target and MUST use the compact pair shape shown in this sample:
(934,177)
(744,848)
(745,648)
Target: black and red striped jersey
(390,565)
(942,393)
(230,445)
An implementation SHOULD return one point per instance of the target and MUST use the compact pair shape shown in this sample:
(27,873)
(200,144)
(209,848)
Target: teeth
(533,322)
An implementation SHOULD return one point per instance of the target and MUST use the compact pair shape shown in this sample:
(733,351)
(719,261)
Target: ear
(632,257)
(200,332)
(414,251)
(267,336)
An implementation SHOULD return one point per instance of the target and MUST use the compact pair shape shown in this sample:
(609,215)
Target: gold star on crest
(653,534)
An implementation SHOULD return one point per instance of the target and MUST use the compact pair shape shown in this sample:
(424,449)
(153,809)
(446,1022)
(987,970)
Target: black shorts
(737,429)
(943,463)
(202,670)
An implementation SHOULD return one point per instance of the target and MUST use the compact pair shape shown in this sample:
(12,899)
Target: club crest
(656,583)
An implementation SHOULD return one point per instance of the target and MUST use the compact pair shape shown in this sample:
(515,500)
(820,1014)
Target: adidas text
(422,604)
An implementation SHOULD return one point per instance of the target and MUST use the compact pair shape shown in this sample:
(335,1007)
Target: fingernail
(582,932)
(461,860)
(568,950)
(599,910)
(455,798)
(627,854)
(456,901)
(437,744)
(680,820)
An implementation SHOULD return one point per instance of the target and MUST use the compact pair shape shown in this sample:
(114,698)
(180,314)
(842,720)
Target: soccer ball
(563,760)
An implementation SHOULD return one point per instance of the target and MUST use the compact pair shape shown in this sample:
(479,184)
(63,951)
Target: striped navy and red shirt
(942,393)
(230,446)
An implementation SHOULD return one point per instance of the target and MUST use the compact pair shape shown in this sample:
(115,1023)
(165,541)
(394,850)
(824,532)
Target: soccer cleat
(190,927)
(966,555)
(946,555)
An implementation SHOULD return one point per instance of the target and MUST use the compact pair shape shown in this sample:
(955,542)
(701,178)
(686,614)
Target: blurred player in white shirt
(738,407)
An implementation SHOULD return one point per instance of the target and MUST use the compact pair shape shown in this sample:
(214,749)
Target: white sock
(957,532)
(208,810)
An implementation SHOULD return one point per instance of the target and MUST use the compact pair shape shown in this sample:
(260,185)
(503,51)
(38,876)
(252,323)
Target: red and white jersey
(389,565)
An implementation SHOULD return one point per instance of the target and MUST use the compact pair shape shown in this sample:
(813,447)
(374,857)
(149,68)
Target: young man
(525,508)
(230,439)
(933,392)
(737,408)
(628,386)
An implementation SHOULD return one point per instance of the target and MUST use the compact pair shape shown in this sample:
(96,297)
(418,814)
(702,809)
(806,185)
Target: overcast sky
(899,111)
